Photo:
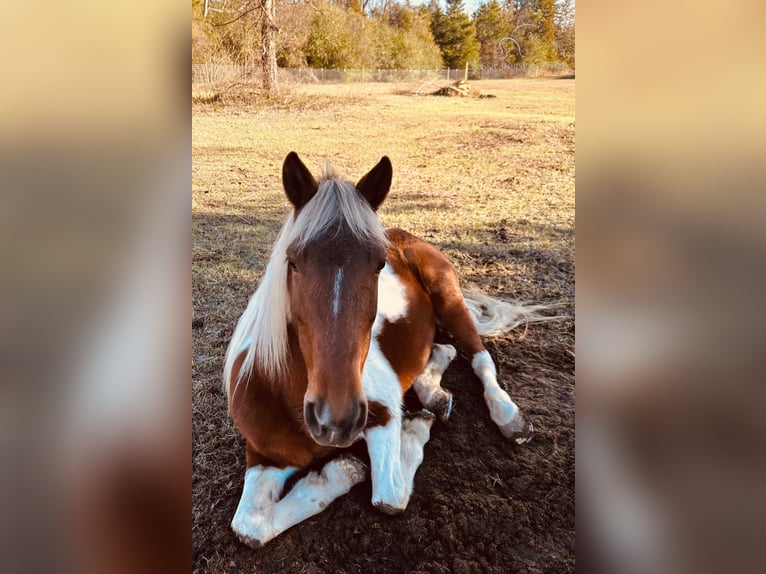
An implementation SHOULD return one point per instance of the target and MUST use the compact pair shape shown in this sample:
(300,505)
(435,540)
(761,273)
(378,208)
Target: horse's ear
(300,185)
(375,185)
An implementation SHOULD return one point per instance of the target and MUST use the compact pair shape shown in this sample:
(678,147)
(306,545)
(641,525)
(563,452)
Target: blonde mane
(262,328)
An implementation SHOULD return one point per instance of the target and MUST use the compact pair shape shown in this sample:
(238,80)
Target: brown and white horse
(341,325)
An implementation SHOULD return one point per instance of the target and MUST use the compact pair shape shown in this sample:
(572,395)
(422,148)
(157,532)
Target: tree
(492,25)
(412,45)
(319,33)
(538,41)
(545,16)
(454,33)
(565,31)
(237,21)
(269,80)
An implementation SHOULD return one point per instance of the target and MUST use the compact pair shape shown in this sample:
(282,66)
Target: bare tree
(269,80)
(265,10)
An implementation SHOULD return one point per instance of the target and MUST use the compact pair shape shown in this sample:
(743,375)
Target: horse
(341,325)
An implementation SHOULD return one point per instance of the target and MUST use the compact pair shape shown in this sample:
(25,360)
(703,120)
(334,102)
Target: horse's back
(421,256)
(434,272)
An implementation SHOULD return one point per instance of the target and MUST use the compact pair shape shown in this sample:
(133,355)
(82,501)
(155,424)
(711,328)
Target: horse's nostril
(361,417)
(312,420)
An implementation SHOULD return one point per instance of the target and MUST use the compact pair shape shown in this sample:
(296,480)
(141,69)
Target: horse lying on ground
(340,327)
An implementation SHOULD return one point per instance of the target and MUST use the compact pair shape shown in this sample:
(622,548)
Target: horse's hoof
(387,508)
(519,431)
(249,541)
(356,470)
(445,409)
(526,436)
(442,405)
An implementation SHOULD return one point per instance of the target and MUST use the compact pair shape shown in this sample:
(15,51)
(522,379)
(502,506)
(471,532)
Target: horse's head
(332,282)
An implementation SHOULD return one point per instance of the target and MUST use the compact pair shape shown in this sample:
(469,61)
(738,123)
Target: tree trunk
(269,81)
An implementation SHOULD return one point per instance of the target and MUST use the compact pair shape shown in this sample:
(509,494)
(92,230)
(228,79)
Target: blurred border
(670,252)
(94,323)
(94,145)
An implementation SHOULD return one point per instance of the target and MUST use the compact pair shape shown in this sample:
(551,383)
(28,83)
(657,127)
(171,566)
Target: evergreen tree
(492,25)
(454,33)
(546,14)
(538,42)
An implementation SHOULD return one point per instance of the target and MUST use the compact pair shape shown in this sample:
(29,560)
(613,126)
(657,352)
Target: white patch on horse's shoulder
(379,380)
(392,298)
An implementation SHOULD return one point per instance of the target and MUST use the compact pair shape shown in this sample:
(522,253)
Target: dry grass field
(490,182)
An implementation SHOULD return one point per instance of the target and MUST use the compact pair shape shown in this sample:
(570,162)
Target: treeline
(387,34)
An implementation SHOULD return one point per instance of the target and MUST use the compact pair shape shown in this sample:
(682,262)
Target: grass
(496,176)
(489,181)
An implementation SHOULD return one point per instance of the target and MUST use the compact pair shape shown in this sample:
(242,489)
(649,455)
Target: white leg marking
(314,492)
(263,487)
(389,490)
(261,516)
(415,434)
(428,384)
(336,291)
(502,409)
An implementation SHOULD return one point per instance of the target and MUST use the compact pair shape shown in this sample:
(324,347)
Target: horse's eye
(291,264)
(381,265)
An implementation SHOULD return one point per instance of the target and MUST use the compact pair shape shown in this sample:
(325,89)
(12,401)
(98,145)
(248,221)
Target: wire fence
(216,73)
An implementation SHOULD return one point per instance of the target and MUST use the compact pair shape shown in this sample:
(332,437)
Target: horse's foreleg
(263,487)
(384,443)
(503,411)
(396,448)
(416,427)
(428,384)
(416,430)
(261,515)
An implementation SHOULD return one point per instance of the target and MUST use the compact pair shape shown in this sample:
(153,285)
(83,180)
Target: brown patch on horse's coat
(378,414)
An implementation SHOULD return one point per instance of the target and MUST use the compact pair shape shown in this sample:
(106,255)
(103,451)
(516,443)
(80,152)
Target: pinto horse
(340,327)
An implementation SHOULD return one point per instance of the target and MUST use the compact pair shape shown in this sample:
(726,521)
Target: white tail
(494,317)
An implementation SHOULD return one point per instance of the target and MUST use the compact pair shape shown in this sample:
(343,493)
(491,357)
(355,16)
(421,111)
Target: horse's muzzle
(328,429)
